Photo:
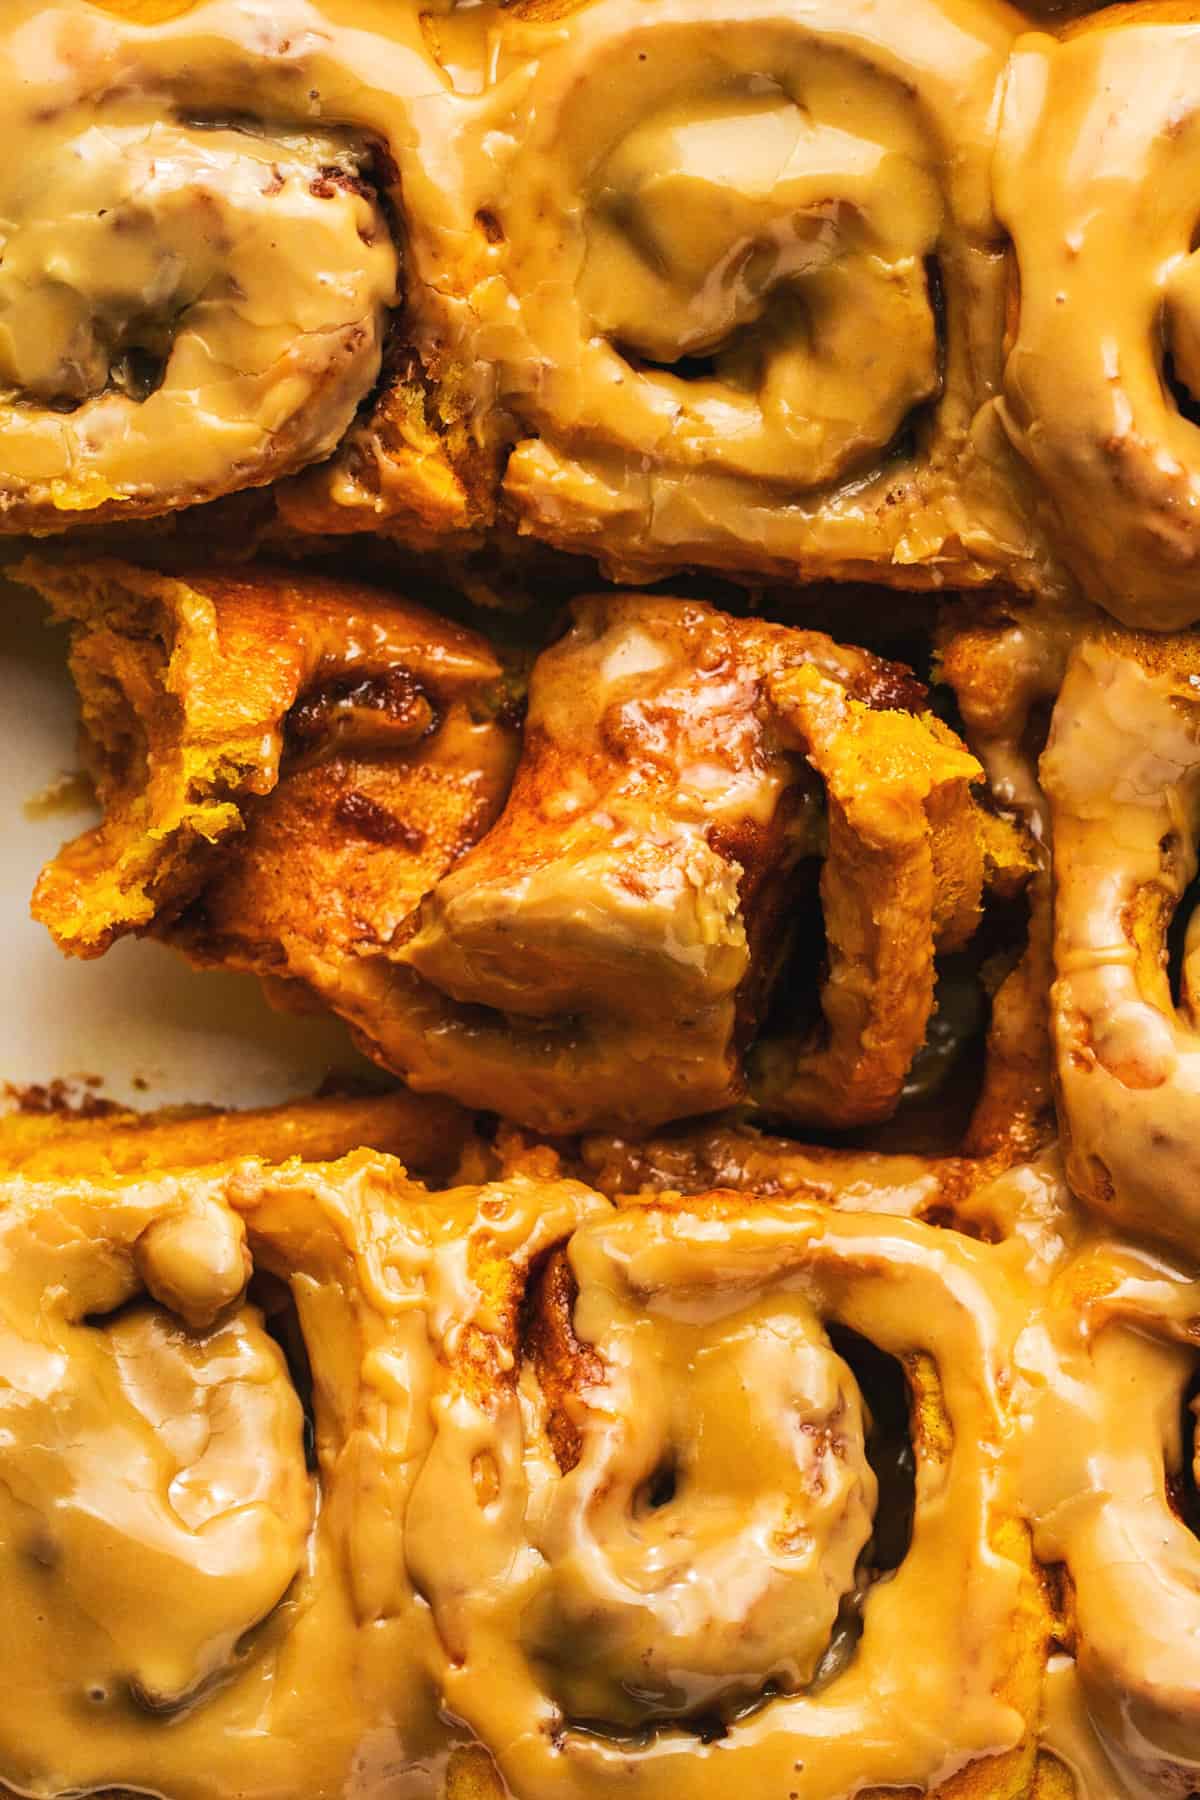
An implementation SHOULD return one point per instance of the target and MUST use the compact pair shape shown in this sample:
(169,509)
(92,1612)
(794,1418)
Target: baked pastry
(756,1348)
(366,724)
(768,325)
(190,306)
(600,953)
(1100,383)
(668,1436)
(431,1138)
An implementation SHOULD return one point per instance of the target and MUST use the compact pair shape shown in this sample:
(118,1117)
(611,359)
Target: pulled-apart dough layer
(308,780)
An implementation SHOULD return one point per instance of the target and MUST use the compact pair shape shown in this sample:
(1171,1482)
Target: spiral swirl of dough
(181,1614)
(569,1593)
(1122,774)
(713,301)
(1096,180)
(189,305)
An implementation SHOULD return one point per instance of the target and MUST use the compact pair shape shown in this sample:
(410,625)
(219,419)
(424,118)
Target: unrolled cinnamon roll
(602,952)
(307,754)
(1095,179)
(202,1591)
(677,767)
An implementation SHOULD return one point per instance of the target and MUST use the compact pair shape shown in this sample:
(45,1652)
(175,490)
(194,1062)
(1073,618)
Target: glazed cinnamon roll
(345,748)
(719,316)
(153,1443)
(196,270)
(1121,771)
(155,1448)
(1109,1375)
(1095,178)
(680,1510)
(601,953)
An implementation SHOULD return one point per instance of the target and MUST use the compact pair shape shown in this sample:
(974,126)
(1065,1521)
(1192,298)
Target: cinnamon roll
(155,1444)
(602,952)
(670,783)
(716,316)
(152,1443)
(196,271)
(1094,180)
(1120,772)
(1109,1484)
(682,1507)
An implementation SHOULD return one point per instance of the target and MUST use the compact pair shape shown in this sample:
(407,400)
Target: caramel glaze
(590,1487)
(590,1507)
(153,1452)
(1122,772)
(683,182)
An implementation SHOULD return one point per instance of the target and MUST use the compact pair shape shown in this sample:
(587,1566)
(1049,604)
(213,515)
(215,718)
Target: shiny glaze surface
(1105,128)
(573,1480)
(692,185)
(187,306)
(508,1369)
